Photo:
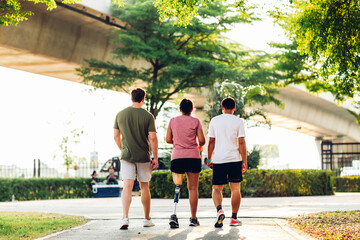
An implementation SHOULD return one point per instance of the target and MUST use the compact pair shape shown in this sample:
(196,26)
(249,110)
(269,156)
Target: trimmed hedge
(271,183)
(44,188)
(347,184)
(256,183)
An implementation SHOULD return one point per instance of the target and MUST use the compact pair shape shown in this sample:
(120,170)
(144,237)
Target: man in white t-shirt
(227,157)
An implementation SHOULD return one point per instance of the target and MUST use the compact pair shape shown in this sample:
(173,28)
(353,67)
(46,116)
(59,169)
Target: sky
(36,112)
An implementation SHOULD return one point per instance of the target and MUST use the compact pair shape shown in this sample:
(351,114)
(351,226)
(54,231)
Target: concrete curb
(285,226)
(55,234)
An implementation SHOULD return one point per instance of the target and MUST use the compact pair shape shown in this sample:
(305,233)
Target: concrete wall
(314,116)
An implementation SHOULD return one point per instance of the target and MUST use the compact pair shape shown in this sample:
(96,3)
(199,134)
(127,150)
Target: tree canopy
(178,59)
(249,99)
(328,32)
(253,157)
(182,11)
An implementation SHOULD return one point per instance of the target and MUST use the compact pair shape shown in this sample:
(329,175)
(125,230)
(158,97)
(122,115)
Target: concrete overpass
(55,43)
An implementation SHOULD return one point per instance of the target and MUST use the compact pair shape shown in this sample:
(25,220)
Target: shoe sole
(194,225)
(173,224)
(219,222)
(235,225)
(124,227)
(149,225)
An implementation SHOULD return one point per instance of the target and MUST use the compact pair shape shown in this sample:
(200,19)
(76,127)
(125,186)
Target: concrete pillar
(318,141)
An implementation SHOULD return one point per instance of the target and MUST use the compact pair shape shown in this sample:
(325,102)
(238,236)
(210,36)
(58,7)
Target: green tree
(253,157)
(249,94)
(11,12)
(293,67)
(177,59)
(183,11)
(328,31)
(65,146)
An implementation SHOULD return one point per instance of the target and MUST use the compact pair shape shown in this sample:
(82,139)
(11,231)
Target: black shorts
(183,165)
(227,172)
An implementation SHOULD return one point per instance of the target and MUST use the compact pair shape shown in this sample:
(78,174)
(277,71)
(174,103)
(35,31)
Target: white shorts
(131,170)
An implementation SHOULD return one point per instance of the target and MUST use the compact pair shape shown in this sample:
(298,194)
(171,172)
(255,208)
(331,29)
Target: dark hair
(137,95)
(93,173)
(186,106)
(228,103)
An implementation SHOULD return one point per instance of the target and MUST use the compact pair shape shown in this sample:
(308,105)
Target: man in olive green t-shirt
(137,127)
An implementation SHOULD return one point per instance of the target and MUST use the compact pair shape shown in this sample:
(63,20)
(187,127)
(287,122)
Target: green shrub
(268,183)
(44,188)
(253,157)
(257,183)
(347,184)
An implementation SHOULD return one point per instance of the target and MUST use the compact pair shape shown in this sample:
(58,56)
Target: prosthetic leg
(174,223)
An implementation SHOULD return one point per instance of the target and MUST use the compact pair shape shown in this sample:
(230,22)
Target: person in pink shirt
(182,132)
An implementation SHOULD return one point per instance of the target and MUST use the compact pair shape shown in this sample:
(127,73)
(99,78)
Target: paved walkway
(263,218)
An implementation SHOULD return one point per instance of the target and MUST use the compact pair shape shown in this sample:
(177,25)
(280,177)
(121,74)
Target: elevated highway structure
(54,43)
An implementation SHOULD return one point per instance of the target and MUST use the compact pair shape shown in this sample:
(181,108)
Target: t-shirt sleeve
(116,125)
(198,125)
(152,124)
(211,130)
(241,131)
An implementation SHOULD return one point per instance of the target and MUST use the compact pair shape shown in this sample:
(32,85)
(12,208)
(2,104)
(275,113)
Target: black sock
(234,216)
(218,208)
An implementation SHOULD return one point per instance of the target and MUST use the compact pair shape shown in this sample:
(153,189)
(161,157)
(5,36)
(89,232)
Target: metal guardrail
(44,171)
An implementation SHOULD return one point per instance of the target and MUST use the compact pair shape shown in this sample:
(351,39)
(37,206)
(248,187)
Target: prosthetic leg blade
(174,223)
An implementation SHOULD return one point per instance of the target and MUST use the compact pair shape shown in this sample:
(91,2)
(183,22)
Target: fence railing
(14,171)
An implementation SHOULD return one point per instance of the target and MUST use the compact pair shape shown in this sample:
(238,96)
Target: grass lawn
(14,225)
(330,225)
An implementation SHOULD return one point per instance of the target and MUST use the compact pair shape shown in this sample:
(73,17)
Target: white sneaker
(148,223)
(124,224)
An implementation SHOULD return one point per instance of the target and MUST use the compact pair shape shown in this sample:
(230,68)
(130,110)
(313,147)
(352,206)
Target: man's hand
(210,163)
(244,167)
(154,147)
(154,164)
(200,148)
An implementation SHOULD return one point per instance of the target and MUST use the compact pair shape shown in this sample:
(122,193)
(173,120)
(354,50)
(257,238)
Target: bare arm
(201,137)
(169,137)
(211,147)
(242,151)
(154,147)
(117,138)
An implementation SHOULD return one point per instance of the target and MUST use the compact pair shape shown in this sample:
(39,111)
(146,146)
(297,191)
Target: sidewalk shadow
(233,233)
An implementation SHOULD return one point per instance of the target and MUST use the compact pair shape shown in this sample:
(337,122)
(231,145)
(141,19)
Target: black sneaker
(174,221)
(194,222)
